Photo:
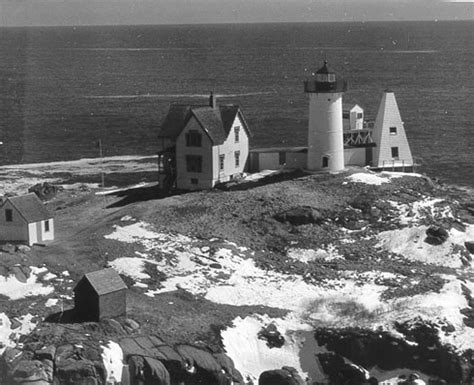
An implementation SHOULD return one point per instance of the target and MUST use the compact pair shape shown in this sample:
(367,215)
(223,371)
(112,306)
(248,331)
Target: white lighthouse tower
(325,139)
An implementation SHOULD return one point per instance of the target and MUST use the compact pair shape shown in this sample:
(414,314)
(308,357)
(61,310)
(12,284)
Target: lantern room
(325,80)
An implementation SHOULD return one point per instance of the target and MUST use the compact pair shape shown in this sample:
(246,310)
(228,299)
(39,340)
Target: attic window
(46,226)
(9,215)
(193,163)
(193,138)
(237,132)
(393,130)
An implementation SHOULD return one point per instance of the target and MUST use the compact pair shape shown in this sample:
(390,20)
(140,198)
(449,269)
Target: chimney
(212,100)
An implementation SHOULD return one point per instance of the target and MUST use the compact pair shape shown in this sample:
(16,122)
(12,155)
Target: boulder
(22,248)
(155,372)
(46,353)
(7,248)
(436,235)
(301,215)
(30,371)
(44,191)
(283,376)
(273,337)
(19,274)
(469,246)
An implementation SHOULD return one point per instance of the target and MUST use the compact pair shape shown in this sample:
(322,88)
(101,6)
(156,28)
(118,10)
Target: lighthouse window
(331,77)
(395,152)
(393,130)
(325,161)
(193,139)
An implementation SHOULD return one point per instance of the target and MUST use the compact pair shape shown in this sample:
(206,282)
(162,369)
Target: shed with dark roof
(100,294)
(25,219)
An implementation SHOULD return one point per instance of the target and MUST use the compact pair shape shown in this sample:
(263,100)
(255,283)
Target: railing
(396,163)
(358,138)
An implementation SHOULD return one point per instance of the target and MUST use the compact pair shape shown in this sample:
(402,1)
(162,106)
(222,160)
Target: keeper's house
(100,294)
(202,145)
(25,219)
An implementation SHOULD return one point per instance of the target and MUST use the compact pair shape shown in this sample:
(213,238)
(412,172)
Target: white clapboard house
(25,219)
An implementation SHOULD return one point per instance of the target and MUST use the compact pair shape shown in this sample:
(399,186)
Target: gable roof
(216,122)
(104,281)
(30,207)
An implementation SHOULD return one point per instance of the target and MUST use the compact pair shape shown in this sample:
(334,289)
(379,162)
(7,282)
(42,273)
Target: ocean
(64,88)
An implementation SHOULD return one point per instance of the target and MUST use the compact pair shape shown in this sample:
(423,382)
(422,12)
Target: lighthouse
(325,138)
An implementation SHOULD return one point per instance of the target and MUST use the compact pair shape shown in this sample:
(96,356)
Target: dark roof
(177,117)
(104,281)
(324,69)
(216,122)
(30,207)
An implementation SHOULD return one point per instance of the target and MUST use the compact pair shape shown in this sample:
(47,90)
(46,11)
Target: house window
(395,152)
(237,132)
(325,161)
(237,158)
(360,115)
(194,181)
(346,115)
(194,163)
(282,158)
(46,226)
(393,130)
(221,162)
(193,138)
(9,215)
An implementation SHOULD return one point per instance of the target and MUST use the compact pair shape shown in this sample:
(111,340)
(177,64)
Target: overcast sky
(107,12)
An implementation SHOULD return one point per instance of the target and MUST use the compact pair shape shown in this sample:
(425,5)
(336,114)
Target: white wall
(355,156)
(228,149)
(15,231)
(33,233)
(356,123)
(325,131)
(205,178)
(389,116)
(48,236)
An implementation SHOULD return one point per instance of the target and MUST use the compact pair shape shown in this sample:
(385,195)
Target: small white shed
(25,219)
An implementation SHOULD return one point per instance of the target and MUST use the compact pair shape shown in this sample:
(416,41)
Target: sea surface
(64,88)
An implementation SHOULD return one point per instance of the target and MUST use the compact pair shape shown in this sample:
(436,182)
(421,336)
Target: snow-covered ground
(9,336)
(377,178)
(112,357)
(14,289)
(226,273)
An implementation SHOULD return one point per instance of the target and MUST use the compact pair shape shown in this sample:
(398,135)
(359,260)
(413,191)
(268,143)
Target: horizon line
(236,23)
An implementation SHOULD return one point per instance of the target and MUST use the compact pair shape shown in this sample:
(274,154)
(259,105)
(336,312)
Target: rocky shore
(292,278)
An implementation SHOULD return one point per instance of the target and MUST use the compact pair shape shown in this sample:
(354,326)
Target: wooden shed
(100,294)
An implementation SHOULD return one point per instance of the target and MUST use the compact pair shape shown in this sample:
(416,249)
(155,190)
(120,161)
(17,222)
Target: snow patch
(367,178)
(14,289)
(252,355)
(410,242)
(131,267)
(51,302)
(112,357)
(9,336)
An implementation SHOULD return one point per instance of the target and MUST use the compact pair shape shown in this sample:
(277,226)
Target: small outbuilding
(25,219)
(100,294)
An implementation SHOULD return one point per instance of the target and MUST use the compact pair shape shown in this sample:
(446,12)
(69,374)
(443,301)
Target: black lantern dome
(325,81)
